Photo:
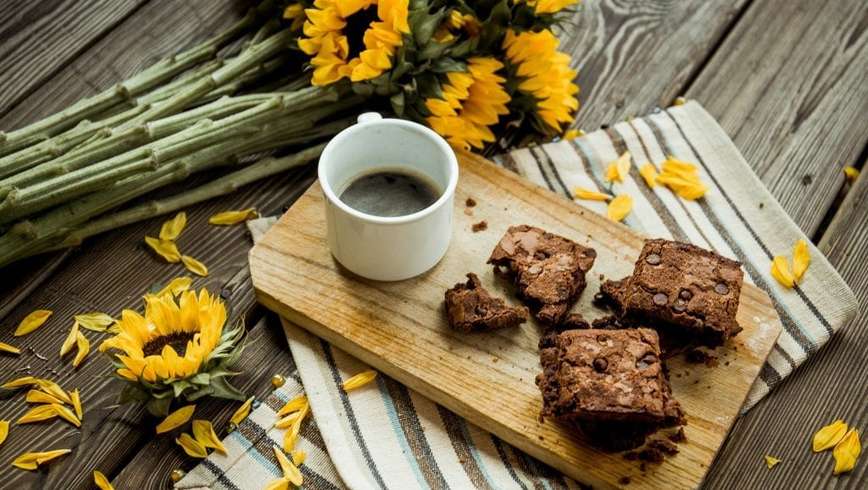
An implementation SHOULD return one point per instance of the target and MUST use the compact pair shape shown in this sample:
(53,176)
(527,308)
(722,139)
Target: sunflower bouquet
(484,74)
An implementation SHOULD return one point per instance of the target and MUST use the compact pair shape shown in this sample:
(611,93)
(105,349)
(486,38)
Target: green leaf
(159,407)
(424,24)
(446,65)
(178,387)
(204,391)
(222,389)
(201,379)
(397,102)
(132,392)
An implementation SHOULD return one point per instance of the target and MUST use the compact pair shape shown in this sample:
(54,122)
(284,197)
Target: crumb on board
(470,202)
(481,226)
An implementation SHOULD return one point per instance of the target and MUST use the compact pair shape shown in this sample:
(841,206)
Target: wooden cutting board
(400,328)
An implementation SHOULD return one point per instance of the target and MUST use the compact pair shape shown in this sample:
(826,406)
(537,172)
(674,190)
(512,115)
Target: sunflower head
(177,349)
(354,39)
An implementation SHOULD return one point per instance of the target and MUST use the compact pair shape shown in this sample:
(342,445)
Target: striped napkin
(388,436)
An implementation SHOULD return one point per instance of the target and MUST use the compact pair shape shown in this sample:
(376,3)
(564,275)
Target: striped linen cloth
(388,436)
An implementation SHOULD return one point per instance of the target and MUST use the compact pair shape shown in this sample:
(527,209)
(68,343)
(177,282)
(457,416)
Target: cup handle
(369,117)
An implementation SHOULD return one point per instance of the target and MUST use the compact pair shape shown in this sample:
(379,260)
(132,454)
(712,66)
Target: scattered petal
(781,271)
(176,286)
(589,195)
(101,481)
(30,461)
(801,259)
(828,436)
(4,430)
(620,207)
(771,461)
(191,446)
(83,348)
(32,321)
(572,134)
(10,349)
(293,405)
(298,456)
(290,471)
(242,412)
(287,421)
(282,484)
(39,396)
(172,228)
(165,249)
(66,414)
(649,173)
(194,266)
(619,169)
(291,435)
(846,452)
(70,340)
(19,383)
(53,389)
(37,414)
(675,166)
(359,380)
(851,173)
(203,431)
(76,403)
(176,419)
(233,217)
(96,321)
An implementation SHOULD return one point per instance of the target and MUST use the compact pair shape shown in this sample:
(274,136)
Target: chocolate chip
(646,360)
(685,294)
(660,299)
(721,288)
(652,259)
(600,365)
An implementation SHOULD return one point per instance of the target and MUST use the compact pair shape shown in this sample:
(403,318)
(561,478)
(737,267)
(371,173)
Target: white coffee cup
(387,248)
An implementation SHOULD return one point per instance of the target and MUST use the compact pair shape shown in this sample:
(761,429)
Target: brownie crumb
(651,455)
(470,202)
(481,226)
(665,446)
(678,436)
(470,308)
(468,211)
(699,356)
(609,322)
(624,480)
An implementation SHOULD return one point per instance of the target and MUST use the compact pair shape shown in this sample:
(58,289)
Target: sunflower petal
(4,430)
(172,228)
(39,396)
(83,349)
(11,349)
(242,412)
(589,195)
(293,405)
(32,321)
(203,431)
(165,249)
(38,413)
(176,286)
(30,461)
(359,380)
(227,218)
(70,340)
(191,446)
(96,321)
(828,436)
(649,174)
(53,389)
(846,452)
(101,481)
(19,382)
(620,207)
(66,414)
(176,419)
(298,456)
(851,173)
(290,471)
(801,259)
(76,402)
(194,266)
(781,272)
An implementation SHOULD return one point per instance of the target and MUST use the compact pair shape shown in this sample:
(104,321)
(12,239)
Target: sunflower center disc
(355,29)
(177,341)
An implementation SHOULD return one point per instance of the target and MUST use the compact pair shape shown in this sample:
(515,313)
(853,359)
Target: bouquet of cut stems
(285,77)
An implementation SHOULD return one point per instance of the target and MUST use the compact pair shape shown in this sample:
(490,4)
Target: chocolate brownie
(683,286)
(549,270)
(595,375)
(470,308)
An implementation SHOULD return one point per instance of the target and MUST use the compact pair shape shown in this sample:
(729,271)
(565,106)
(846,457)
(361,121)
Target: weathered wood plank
(788,85)
(636,55)
(38,39)
(829,386)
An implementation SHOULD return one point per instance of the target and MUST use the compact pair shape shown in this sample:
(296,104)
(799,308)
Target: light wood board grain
(400,328)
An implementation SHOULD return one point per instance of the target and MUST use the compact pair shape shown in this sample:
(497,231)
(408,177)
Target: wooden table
(785,78)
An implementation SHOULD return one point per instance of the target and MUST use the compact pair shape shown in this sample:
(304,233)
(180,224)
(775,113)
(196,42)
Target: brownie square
(681,285)
(470,308)
(548,269)
(602,376)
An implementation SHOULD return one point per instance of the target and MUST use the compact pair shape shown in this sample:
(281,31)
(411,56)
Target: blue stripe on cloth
(392,412)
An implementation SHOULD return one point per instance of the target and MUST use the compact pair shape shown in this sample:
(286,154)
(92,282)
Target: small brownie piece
(682,285)
(470,308)
(602,376)
(548,269)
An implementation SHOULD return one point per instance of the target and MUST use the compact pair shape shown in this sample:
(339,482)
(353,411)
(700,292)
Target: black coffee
(390,194)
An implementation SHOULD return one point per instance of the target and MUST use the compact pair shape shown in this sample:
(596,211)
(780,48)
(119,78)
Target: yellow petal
(287,421)
(191,446)
(290,437)
(572,134)
(846,452)
(771,461)
(242,412)
(781,271)
(298,456)
(30,461)
(649,173)
(19,382)
(53,389)
(66,414)
(39,396)
(203,431)
(801,259)
(96,321)
(611,173)
(290,471)
(281,484)
(233,217)
(851,173)
(194,266)
(76,402)
(172,228)
(11,349)
(4,430)
(293,405)
(619,169)
(589,195)
(674,165)
(176,419)
(32,321)
(359,380)
(620,207)
(101,481)
(165,249)
(176,286)
(828,436)
(37,414)
(70,340)
(83,348)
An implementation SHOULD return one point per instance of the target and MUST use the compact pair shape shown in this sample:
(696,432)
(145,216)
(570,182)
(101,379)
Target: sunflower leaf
(201,379)
(158,407)
(222,389)
(204,391)
(178,387)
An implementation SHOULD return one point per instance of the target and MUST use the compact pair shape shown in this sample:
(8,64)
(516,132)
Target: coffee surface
(390,194)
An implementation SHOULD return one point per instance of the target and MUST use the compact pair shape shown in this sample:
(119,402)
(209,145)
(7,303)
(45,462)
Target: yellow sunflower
(354,39)
(454,24)
(177,349)
(549,6)
(295,13)
(472,102)
(545,74)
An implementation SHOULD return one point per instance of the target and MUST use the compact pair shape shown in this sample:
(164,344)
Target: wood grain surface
(400,328)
